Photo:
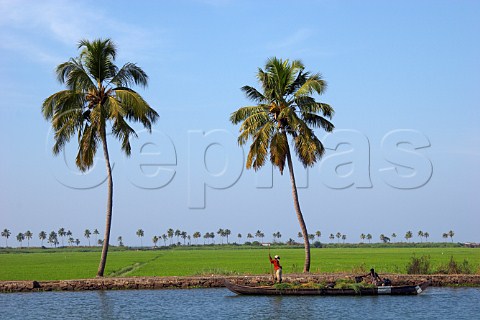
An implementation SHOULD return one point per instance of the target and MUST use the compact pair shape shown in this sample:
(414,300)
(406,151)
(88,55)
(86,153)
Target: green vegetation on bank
(78,263)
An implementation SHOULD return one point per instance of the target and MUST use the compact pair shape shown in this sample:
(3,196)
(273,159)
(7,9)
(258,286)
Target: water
(435,303)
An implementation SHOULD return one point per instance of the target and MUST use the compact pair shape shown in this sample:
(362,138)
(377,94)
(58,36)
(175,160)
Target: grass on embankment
(68,263)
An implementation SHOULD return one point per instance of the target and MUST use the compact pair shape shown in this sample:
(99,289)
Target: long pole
(271,267)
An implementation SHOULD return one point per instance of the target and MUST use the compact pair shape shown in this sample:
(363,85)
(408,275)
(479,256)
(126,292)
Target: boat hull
(382,290)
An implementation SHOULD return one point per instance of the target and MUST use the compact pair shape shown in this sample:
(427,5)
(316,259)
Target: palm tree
(394,235)
(96,233)
(20,238)
(362,236)
(284,108)
(227,233)
(53,238)
(239,236)
(170,234)
(221,233)
(61,233)
(408,235)
(338,235)
(120,241)
(28,236)
(445,235)
(164,238)
(451,234)
(155,240)
(87,234)
(6,233)
(369,237)
(97,93)
(183,235)
(331,237)
(140,234)
(196,235)
(420,234)
(77,242)
(42,236)
(318,234)
(426,235)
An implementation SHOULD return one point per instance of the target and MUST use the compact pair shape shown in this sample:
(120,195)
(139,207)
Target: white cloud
(40,29)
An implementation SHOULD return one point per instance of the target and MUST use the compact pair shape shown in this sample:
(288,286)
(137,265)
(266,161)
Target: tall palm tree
(285,108)
(6,233)
(98,95)
(42,236)
(28,236)
(140,234)
(87,234)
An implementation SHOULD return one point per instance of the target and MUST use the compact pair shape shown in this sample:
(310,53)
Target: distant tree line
(178,237)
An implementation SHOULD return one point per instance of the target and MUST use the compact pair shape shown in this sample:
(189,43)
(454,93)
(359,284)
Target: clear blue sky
(403,78)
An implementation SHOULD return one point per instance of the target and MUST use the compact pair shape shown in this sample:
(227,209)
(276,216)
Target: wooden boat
(380,290)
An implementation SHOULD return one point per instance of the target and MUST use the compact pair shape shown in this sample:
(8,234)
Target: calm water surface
(435,303)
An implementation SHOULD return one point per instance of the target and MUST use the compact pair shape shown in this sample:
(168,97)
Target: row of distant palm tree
(52,237)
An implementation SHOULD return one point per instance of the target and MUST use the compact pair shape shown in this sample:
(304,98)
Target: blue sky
(403,78)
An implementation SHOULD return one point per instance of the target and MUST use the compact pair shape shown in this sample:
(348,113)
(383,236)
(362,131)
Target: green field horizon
(77,263)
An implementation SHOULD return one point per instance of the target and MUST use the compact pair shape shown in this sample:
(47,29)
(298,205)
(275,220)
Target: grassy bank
(78,263)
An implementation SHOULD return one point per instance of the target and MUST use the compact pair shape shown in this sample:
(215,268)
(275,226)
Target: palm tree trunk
(108,222)
(296,204)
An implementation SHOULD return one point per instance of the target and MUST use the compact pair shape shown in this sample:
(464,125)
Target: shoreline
(217,281)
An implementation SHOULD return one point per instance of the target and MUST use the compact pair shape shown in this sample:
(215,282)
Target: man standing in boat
(277,267)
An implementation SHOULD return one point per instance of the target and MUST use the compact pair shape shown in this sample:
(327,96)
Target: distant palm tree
(451,234)
(362,236)
(53,238)
(97,93)
(164,238)
(408,235)
(311,237)
(227,233)
(445,235)
(6,233)
(344,237)
(20,238)
(28,236)
(221,233)
(285,107)
(170,234)
(87,234)
(426,235)
(42,236)
(61,234)
(394,235)
(178,233)
(318,234)
(183,235)
(71,241)
(140,234)
(196,235)
(77,242)
(96,233)
(239,236)
(369,237)
(331,237)
(420,234)
(249,236)
(155,240)
(120,241)
(338,235)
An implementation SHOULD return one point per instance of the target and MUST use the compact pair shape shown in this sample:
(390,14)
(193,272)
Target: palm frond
(87,148)
(245,112)
(312,84)
(278,150)
(130,74)
(308,148)
(253,94)
(137,109)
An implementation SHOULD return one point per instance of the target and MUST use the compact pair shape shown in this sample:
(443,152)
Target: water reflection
(435,303)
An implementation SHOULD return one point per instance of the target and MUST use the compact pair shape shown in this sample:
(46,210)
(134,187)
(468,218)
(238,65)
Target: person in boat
(277,267)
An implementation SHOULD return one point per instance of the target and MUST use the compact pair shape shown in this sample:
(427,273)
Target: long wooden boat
(380,290)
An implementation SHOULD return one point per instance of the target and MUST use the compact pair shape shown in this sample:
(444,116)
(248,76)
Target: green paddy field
(79,263)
